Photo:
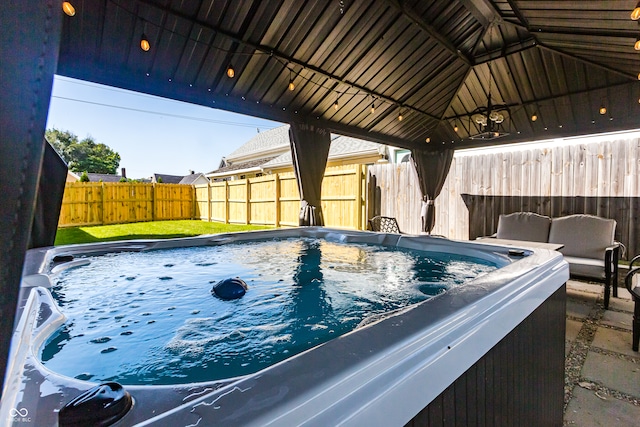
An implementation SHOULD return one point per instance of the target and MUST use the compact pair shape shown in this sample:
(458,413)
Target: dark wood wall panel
(519,382)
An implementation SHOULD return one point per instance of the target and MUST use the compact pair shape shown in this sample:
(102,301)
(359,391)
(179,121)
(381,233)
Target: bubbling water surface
(150,318)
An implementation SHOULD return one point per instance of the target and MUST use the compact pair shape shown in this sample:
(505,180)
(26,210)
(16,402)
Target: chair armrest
(628,281)
(611,254)
(492,236)
(623,249)
(615,246)
(611,257)
(634,260)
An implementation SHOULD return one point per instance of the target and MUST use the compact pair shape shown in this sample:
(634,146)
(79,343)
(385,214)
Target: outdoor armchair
(631,282)
(384,224)
(589,248)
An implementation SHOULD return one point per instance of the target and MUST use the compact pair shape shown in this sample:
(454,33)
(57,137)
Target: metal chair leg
(636,324)
(607,295)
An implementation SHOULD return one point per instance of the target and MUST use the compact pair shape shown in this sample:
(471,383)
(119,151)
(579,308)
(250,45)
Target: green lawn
(146,230)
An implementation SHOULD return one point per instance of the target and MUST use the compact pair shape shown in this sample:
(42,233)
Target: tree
(85,155)
(84,177)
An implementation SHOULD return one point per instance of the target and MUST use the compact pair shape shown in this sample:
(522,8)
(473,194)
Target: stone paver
(612,340)
(583,289)
(609,382)
(578,309)
(586,409)
(621,304)
(612,372)
(572,331)
(623,293)
(616,319)
(573,328)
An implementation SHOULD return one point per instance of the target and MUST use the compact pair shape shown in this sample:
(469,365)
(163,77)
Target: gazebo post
(29,55)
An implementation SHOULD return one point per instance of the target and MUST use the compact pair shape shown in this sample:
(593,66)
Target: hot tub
(489,351)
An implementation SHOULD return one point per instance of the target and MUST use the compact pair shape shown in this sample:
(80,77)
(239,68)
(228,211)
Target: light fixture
(373,108)
(230,71)
(534,116)
(636,46)
(602,110)
(335,105)
(635,14)
(638,76)
(489,119)
(455,128)
(428,139)
(400,117)
(291,85)
(144,43)
(68,8)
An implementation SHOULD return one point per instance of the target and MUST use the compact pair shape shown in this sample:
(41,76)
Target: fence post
(208,202)
(153,201)
(247,198)
(102,203)
(193,201)
(358,201)
(277,200)
(226,202)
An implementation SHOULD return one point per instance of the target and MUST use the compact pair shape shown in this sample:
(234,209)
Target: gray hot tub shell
(383,374)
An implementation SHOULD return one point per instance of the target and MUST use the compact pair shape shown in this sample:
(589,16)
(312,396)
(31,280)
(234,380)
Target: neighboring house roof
(192,178)
(341,146)
(252,164)
(188,179)
(104,177)
(271,149)
(166,179)
(276,139)
(72,176)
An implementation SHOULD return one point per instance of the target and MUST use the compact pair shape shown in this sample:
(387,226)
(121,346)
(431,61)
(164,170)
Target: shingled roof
(341,146)
(243,165)
(277,138)
(191,178)
(166,179)
(102,177)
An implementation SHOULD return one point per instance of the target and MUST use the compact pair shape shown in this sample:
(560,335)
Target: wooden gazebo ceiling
(434,62)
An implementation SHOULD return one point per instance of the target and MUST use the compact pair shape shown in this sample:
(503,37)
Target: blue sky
(151,134)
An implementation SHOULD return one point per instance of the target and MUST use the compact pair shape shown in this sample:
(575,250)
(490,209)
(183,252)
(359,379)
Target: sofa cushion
(586,267)
(583,236)
(524,226)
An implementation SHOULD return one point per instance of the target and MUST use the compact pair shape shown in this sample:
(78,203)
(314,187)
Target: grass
(146,230)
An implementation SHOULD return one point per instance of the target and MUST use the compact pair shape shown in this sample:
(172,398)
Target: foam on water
(150,318)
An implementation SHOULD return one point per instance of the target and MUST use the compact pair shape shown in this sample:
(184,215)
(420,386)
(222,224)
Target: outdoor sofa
(589,244)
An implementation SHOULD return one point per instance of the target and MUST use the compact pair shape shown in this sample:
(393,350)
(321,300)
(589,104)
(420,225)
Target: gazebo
(431,77)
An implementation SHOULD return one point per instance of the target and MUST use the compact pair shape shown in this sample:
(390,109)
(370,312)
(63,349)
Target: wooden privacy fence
(595,177)
(101,203)
(275,200)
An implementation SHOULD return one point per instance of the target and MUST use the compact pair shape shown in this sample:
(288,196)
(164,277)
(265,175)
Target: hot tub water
(150,318)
